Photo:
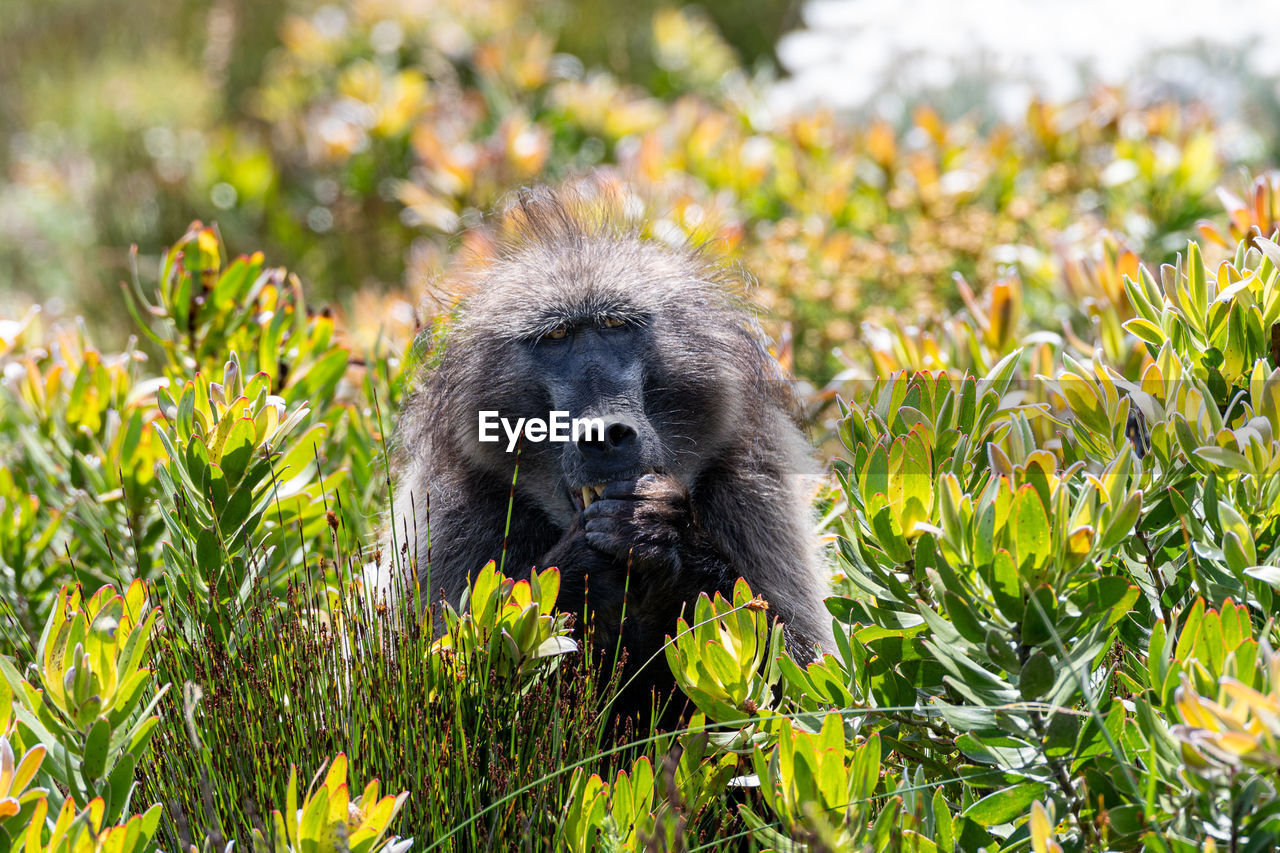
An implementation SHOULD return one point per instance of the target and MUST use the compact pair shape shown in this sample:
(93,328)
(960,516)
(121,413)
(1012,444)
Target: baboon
(702,473)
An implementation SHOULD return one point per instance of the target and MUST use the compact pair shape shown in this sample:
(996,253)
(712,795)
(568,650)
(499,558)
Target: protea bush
(1054,550)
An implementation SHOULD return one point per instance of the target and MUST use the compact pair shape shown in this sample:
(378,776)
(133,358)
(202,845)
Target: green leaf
(1233,524)
(1003,806)
(233,282)
(1190,633)
(1092,740)
(1197,287)
(96,743)
(1040,616)
(963,617)
(1234,553)
(1121,524)
(1031,530)
(1224,458)
(233,515)
(208,554)
(1270,575)
(1126,820)
(888,536)
(1061,734)
(1145,331)
(874,478)
(1037,676)
(120,786)
(1144,296)
(1005,586)
(944,827)
(999,650)
(238,449)
(319,380)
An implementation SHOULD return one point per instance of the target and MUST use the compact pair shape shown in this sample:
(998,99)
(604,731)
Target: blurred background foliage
(361,141)
(1054,273)
(351,137)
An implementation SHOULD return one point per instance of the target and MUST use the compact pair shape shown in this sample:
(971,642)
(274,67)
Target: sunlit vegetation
(1043,359)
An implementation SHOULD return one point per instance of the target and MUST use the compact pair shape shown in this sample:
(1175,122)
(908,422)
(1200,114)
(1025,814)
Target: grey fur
(720,406)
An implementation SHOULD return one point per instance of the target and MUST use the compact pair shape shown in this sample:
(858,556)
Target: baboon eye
(559,333)
(614,323)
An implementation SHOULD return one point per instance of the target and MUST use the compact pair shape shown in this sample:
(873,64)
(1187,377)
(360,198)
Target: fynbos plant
(1057,550)
(329,818)
(718,660)
(506,624)
(84,831)
(232,500)
(88,699)
(18,767)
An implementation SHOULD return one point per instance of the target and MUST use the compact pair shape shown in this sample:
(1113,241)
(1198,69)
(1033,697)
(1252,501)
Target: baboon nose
(617,436)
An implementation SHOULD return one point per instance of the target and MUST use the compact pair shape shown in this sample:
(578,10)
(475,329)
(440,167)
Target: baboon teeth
(591,494)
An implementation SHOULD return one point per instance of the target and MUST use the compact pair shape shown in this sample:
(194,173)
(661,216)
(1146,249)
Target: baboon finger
(608,542)
(620,490)
(641,512)
(645,487)
(650,525)
(609,508)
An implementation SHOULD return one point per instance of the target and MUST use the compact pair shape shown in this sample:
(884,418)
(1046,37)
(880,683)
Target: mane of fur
(524,278)
(561,257)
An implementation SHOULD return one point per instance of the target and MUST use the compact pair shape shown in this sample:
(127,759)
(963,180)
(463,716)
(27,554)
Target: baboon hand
(644,520)
(572,550)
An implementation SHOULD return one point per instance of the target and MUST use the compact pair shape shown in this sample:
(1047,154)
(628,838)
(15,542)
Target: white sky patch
(870,54)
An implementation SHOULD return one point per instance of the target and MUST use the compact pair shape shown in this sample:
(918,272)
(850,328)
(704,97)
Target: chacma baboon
(700,475)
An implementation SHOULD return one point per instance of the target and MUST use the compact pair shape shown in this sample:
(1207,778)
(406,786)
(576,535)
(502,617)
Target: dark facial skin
(596,369)
(638,546)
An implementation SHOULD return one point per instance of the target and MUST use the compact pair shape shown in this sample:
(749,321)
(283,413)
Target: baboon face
(595,368)
(612,329)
